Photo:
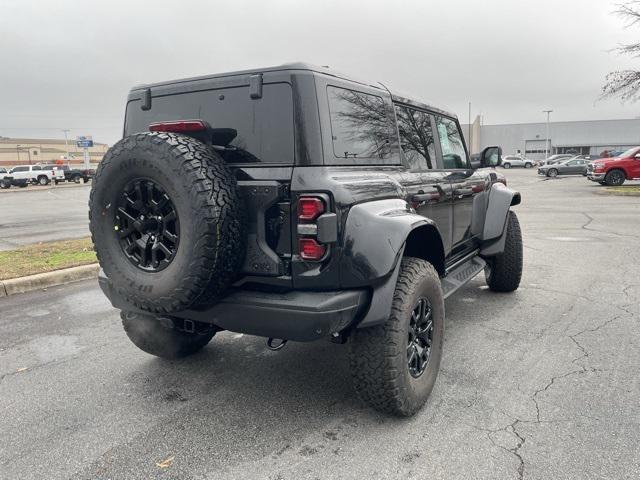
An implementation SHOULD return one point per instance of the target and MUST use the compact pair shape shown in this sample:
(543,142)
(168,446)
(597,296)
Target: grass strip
(46,257)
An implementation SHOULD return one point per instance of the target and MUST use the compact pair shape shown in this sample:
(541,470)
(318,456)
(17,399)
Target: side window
(416,138)
(453,152)
(36,168)
(361,126)
(20,169)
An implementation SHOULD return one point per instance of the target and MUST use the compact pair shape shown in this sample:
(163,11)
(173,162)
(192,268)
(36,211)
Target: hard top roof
(323,70)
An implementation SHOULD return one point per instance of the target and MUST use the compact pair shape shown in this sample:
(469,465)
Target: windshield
(628,153)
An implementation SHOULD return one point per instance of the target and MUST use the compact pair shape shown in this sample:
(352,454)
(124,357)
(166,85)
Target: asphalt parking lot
(37,214)
(539,384)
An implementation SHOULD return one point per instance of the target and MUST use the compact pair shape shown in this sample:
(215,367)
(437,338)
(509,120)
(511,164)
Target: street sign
(84,142)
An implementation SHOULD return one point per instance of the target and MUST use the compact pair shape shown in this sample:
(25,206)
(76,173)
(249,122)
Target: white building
(530,139)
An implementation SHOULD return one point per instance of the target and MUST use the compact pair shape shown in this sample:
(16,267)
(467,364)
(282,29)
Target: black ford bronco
(297,203)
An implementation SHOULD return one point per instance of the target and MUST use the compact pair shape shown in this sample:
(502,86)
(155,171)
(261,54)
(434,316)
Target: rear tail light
(310,208)
(310,249)
(179,126)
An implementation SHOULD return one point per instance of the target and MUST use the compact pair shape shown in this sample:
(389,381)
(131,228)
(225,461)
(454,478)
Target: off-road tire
(158,338)
(504,271)
(204,194)
(614,178)
(378,355)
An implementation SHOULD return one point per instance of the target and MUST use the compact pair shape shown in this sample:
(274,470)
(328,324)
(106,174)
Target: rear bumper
(297,315)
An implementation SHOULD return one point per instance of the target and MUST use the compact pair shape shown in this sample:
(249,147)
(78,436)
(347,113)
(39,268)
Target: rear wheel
(42,180)
(163,337)
(504,271)
(614,178)
(75,179)
(395,365)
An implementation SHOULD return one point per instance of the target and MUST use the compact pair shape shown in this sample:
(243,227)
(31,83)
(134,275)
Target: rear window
(361,125)
(263,127)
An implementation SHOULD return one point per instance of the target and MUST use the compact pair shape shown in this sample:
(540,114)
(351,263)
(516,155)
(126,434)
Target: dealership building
(530,139)
(26,151)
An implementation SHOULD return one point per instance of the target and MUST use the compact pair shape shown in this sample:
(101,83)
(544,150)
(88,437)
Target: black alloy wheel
(420,337)
(147,225)
(615,178)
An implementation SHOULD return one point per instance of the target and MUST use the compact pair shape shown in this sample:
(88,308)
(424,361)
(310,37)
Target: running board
(461,275)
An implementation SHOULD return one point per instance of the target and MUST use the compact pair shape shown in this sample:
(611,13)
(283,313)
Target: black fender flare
(377,235)
(501,199)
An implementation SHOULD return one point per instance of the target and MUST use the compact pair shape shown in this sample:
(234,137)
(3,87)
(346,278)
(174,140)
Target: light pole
(66,143)
(546,143)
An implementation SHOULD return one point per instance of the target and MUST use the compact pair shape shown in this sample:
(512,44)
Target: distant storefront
(580,137)
(25,151)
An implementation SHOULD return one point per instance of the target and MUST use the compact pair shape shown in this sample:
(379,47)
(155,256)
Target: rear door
(468,186)
(427,185)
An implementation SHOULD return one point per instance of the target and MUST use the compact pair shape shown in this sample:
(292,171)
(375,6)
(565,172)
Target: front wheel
(528,165)
(42,180)
(552,173)
(504,271)
(614,178)
(395,365)
(4,184)
(506,165)
(162,338)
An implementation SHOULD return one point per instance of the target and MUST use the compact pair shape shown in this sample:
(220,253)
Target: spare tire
(165,220)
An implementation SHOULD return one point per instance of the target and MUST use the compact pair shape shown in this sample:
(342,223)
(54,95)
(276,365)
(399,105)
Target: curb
(37,188)
(49,279)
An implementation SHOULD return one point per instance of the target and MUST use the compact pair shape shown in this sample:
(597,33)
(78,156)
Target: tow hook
(276,344)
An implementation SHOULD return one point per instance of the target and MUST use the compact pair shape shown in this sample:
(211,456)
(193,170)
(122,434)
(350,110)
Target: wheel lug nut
(141,217)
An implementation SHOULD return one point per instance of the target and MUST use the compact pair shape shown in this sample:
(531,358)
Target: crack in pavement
(590,219)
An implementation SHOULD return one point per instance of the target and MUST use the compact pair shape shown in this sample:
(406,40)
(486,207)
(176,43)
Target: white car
(42,175)
(515,161)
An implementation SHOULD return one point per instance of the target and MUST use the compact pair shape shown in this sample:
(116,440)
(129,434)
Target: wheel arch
(425,242)
(375,236)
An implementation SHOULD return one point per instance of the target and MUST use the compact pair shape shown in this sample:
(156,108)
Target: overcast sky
(69,64)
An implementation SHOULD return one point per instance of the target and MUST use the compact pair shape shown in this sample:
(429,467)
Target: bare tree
(625,83)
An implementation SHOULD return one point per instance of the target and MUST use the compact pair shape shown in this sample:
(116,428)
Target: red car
(614,171)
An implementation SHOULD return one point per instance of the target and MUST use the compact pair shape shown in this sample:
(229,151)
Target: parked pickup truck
(38,174)
(75,174)
(614,171)
(296,203)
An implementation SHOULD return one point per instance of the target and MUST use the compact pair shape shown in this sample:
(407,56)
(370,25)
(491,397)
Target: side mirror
(637,155)
(491,157)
